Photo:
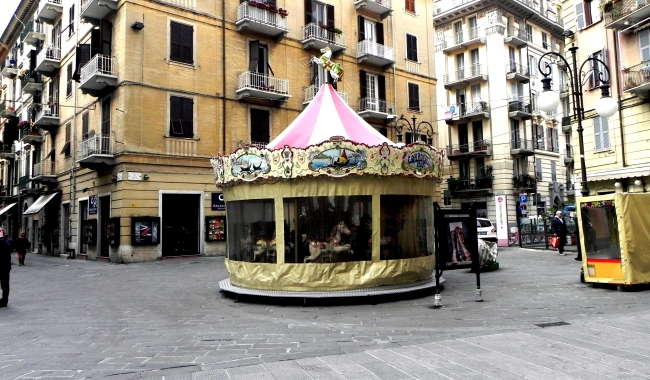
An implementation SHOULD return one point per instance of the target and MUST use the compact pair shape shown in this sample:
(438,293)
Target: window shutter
(381,83)
(363,84)
(95,42)
(379,31)
(644,44)
(175,115)
(175,41)
(82,57)
(330,16)
(308,11)
(106,38)
(414,97)
(580,15)
(410,5)
(598,139)
(362,28)
(32,61)
(187,44)
(254,54)
(188,117)
(604,132)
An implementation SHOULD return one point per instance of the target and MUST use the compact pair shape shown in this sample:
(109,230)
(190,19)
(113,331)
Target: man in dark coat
(5,266)
(558,227)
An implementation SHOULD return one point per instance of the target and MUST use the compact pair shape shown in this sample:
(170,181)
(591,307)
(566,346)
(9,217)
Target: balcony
(521,147)
(97,9)
(33,34)
(515,71)
(465,77)
(96,151)
(31,83)
(536,12)
(317,37)
(311,91)
(49,11)
(568,154)
(7,109)
(98,74)
(623,14)
(412,66)
(463,41)
(480,148)
(524,183)
(7,152)
(259,85)
(262,20)
(478,109)
(636,79)
(44,172)
(564,90)
(376,108)
(566,124)
(48,117)
(30,135)
(10,71)
(470,187)
(517,37)
(520,108)
(372,53)
(380,7)
(48,60)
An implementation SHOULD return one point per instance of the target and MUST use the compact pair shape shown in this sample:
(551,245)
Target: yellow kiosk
(615,238)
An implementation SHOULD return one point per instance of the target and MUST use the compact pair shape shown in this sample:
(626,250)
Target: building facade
(499,144)
(111,109)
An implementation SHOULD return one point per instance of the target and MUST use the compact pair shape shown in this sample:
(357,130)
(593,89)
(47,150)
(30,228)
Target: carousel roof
(326,116)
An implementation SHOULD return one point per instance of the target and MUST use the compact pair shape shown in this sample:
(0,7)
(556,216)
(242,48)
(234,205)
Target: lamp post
(549,100)
(414,128)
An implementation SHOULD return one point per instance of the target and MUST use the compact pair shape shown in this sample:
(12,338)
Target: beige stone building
(501,147)
(111,109)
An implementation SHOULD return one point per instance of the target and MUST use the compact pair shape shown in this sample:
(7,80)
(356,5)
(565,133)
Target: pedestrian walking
(22,245)
(558,227)
(5,266)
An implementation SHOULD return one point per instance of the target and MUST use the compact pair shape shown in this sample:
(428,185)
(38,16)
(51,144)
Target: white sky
(7,9)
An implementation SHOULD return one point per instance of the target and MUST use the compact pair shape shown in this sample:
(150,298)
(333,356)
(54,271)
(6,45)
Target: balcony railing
(616,10)
(470,185)
(7,109)
(478,147)
(44,168)
(99,64)
(314,31)
(273,19)
(475,108)
(370,47)
(412,66)
(311,91)
(539,7)
(516,68)
(26,131)
(521,144)
(49,52)
(636,76)
(520,105)
(257,144)
(95,145)
(376,105)
(263,82)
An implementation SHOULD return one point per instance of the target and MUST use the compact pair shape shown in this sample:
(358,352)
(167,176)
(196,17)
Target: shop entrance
(104,214)
(180,224)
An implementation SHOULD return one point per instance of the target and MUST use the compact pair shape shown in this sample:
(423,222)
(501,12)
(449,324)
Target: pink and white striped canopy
(327,115)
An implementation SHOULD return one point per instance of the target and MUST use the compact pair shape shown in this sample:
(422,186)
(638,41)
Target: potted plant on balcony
(283,12)
(451,183)
(484,180)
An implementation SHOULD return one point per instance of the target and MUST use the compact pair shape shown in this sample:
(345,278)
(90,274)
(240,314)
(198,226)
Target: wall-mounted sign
(92,205)
(215,228)
(145,230)
(218,202)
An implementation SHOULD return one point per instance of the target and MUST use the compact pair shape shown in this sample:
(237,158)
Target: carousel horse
(335,69)
(317,248)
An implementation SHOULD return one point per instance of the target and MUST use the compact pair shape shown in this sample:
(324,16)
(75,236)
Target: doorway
(104,214)
(180,224)
(83,216)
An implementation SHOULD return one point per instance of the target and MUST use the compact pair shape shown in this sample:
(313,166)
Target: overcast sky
(7,10)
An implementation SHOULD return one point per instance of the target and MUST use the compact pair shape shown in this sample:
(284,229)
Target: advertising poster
(501,220)
(215,228)
(145,230)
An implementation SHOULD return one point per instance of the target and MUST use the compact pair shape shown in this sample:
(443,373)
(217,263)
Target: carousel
(329,208)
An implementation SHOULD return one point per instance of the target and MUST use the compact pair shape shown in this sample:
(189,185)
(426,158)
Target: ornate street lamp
(414,128)
(549,100)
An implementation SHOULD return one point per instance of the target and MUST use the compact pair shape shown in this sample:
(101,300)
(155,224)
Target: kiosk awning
(39,204)
(7,208)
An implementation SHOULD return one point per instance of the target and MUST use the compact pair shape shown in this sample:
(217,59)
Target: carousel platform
(424,285)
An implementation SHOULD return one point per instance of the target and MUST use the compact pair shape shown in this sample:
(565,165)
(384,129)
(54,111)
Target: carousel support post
(437,298)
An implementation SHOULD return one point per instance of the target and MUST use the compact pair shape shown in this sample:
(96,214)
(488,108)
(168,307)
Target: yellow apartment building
(111,109)
(506,157)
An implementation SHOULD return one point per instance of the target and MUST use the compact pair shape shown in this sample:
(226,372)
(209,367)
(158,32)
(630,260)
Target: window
(181,43)
(411,48)
(409,6)
(260,131)
(551,135)
(66,147)
(479,166)
(539,136)
(532,63)
(68,88)
(71,18)
(644,44)
(544,40)
(258,63)
(529,33)
(538,169)
(587,13)
(181,117)
(553,171)
(597,69)
(458,32)
(373,92)
(601,133)
(414,97)
(464,169)
(319,13)
(370,30)
(106,125)
(85,125)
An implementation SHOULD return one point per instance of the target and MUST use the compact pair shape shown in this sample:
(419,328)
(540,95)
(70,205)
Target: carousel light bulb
(637,182)
(617,185)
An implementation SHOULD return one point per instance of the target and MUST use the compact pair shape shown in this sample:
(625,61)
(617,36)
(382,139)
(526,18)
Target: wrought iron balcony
(516,36)
(566,124)
(97,9)
(96,151)
(98,74)
(33,33)
(381,7)
(636,79)
(372,53)
(50,11)
(376,108)
(568,154)
(621,14)
(10,71)
(470,149)
(31,83)
(476,109)
(315,36)
(521,108)
(311,91)
(521,147)
(30,135)
(48,60)
(48,117)
(263,20)
(564,90)
(515,71)
(465,76)
(7,109)
(524,183)
(468,187)
(260,85)
(44,172)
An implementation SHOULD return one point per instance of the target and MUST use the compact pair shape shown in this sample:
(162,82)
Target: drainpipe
(223,76)
(618,94)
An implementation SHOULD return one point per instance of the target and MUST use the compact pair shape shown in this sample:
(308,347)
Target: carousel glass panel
(251,230)
(406,227)
(600,229)
(327,229)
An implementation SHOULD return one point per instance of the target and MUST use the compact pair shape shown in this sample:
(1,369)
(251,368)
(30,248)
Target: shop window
(328,229)
(251,230)
(405,227)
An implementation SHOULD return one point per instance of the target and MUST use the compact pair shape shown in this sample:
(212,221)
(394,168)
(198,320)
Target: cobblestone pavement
(81,319)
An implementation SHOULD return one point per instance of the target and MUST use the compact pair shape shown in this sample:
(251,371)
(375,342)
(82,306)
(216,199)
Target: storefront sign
(218,202)
(92,205)
(502,219)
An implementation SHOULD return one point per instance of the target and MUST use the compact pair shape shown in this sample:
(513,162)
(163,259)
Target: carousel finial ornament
(335,69)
